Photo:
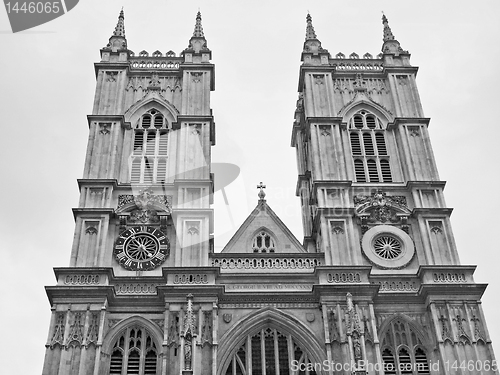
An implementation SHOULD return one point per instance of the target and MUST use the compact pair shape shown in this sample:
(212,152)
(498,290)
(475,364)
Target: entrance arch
(269,342)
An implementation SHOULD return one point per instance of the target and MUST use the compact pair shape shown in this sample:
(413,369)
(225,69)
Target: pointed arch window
(403,352)
(134,353)
(263,242)
(270,352)
(149,157)
(369,148)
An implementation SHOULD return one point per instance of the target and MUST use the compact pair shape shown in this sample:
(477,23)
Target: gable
(263,232)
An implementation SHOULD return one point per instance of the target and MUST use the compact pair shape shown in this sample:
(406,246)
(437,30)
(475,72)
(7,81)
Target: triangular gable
(263,218)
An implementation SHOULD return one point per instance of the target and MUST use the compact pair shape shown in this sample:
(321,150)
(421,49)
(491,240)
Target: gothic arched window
(402,350)
(369,149)
(149,157)
(134,352)
(270,352)
(263,242)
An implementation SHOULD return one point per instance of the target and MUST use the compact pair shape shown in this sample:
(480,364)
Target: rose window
(387,247)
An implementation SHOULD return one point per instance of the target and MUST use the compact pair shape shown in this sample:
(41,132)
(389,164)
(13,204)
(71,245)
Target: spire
(310,33)
(120,26)
(391,45)
(198,29)
(388,35)
(198,43)
(312,45)
(118,40)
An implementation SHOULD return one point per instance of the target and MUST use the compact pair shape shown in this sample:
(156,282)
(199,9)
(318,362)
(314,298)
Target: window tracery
(402,350)
(150,147)
(269,352)
(134,352)
(263,242)
(369,148)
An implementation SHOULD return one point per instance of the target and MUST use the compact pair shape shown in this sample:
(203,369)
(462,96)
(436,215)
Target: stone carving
(75,337)
(319,79)
(146,199)
(188,333)
(93,331)
(159,322)
(414,131)
(154,82)
(325,131)
(143,216)
(59,328)
(436,229)
(111,76)
(332,326)
(196,76)
(173,330)
(206,329)
(353,331)
(300,103)
(478,334)
(193,229)
(366,329)
(445,329)
(337,230)
(382,208)
(91,230)
(310,317)
(359,82)
(227,318)
(104,127)
(462,336)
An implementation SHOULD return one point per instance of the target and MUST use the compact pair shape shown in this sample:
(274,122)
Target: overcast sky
(47,88)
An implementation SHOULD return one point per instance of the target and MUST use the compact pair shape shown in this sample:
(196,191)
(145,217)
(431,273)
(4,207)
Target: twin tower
(375,287)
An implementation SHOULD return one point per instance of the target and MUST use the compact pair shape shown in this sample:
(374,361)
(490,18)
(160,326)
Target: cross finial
(262,195)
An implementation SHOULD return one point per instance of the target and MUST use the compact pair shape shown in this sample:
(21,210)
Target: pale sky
(47,88)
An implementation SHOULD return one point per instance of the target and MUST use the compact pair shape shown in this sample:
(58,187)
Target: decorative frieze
(449,277)
(410,286)
(190,278)
(135,288)
(266,263)
(82,279)
(343,277)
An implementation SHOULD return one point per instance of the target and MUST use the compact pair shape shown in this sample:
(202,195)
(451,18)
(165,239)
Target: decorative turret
(118,40)
(198,43)
(391,45)
(312,46)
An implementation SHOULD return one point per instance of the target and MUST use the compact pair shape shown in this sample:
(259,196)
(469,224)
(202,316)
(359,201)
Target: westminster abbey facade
(374,287)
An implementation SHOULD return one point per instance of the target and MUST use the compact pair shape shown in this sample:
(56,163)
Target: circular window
(387,246)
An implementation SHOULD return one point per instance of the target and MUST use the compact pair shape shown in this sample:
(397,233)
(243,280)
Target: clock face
(141,248)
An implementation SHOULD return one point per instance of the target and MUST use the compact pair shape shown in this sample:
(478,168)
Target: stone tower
(372,203)
(376,287)
(144,208)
